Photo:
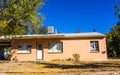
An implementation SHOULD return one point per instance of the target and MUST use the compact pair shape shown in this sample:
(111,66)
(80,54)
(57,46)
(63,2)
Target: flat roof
(61,35)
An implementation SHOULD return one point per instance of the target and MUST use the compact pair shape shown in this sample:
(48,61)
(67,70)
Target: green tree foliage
(20,16)
(42,30)
(113,37)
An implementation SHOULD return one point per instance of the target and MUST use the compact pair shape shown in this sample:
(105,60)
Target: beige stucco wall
(70,46)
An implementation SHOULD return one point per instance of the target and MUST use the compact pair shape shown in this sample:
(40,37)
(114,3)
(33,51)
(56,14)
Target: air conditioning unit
(50,30)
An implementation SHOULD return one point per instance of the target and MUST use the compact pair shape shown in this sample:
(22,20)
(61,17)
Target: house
(90,46)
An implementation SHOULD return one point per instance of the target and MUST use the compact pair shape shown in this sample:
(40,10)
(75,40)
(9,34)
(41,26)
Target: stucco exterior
(71,45)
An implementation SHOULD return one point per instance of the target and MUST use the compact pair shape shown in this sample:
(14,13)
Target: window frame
(96,46)
(61,51)
(22,50)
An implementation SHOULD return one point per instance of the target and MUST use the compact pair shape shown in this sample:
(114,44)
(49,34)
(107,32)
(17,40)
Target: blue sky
(68,16)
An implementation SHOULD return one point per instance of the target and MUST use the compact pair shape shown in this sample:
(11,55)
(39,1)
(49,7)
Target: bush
(76,58)
(7,54)
(15,59)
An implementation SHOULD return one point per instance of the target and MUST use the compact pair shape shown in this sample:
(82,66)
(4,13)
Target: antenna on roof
(94,30)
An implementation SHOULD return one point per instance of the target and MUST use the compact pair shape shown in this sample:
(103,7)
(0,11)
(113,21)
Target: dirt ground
(60,68)
(82,73)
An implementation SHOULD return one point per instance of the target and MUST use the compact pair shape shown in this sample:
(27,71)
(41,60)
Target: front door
(39,51)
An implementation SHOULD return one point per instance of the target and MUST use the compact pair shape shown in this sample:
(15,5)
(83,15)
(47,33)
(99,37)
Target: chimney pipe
(50,29)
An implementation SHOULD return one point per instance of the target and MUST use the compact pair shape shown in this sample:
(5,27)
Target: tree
(20,16)
(42,30)
(113,37)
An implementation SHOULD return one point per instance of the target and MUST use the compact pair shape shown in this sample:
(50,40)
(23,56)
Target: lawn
(58,67)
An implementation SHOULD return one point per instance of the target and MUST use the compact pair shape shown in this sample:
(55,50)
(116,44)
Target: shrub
(15,59)
(76,58)
(7,54)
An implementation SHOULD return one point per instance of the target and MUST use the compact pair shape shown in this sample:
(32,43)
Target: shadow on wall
(2,53)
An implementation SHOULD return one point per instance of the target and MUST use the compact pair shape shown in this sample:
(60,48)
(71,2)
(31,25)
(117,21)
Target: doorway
(39,51)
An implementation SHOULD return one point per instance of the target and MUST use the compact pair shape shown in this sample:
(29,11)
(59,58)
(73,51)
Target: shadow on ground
(82,65)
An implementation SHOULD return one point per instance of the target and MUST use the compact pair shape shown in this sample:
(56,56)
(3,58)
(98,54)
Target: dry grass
(55,67)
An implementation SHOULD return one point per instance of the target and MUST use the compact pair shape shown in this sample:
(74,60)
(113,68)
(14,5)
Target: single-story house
(90,46)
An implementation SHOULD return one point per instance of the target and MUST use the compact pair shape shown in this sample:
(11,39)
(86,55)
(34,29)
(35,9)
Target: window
(94,46)
(24,48)
(55,47)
